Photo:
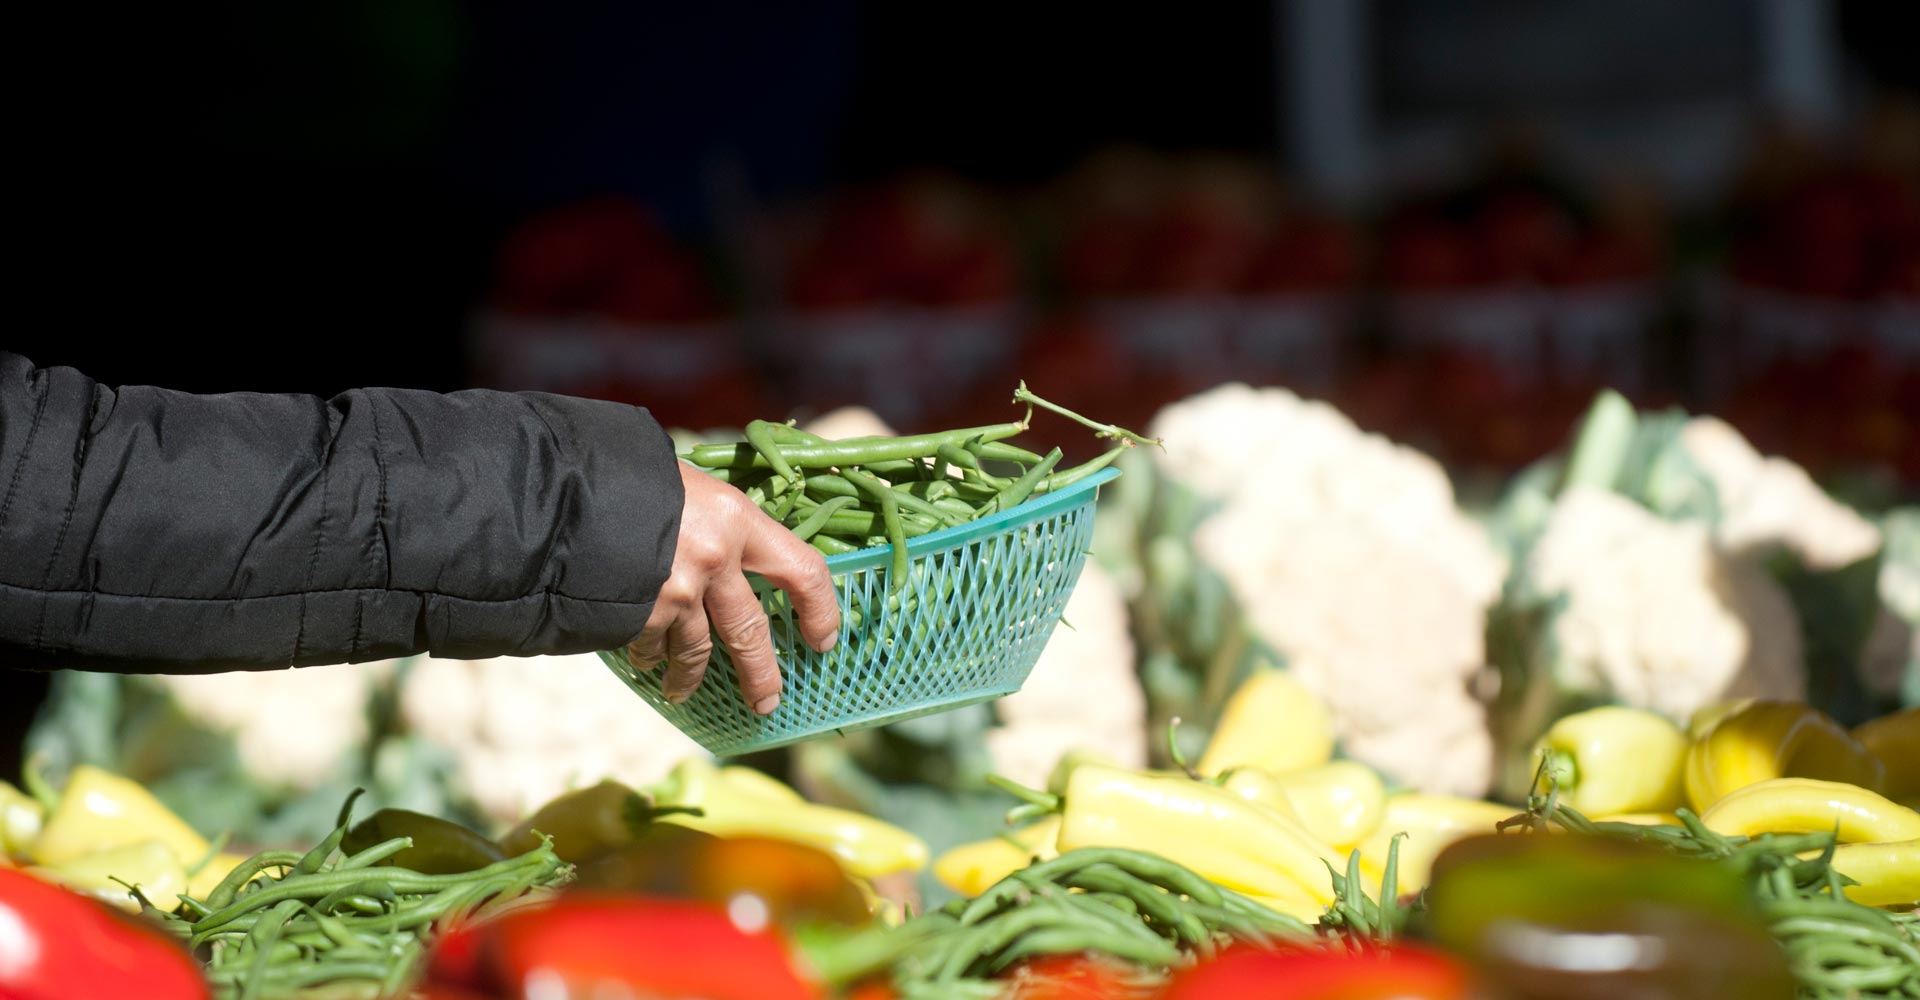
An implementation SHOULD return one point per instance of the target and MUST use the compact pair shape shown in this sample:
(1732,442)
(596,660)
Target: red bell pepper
(58,945)
(583,942)
(1398,972)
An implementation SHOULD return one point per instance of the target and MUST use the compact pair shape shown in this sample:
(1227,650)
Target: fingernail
(676,697)
(833,639)
(765,706)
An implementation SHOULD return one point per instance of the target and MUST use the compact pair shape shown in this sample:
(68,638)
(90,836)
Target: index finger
(799,569)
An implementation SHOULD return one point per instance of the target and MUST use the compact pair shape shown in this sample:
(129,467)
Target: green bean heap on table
(355,925)
(845,495)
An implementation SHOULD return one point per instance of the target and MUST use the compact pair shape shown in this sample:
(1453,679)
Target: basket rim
(960,534)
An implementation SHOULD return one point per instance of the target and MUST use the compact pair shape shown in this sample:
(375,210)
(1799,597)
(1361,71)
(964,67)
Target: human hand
(722,535)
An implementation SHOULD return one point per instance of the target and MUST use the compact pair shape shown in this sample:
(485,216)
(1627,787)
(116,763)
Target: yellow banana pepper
(149,864)
(970,868)
(1431,823)
(99,811)
(1807,805)
(1775,739)
(21,818)
(1272,722)
(759,784)
(867,846)
(1895,741)
(1339,802)
(1889,874)
(1617,760)
(1218,834)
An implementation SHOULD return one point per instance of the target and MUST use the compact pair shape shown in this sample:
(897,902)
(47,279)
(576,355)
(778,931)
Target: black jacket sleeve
(143,530)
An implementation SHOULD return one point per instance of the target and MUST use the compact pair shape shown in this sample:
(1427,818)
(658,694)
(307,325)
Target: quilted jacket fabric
(144,530)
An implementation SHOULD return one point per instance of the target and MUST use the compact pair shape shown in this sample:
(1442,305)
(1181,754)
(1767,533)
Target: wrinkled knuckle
(746,627)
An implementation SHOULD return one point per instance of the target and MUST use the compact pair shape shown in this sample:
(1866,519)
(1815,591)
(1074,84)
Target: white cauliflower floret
(1083,693)
(1296,457)
(1658,614)
(1349,555)
(526,729)
(1380,631)
(292,729)
(1767,502)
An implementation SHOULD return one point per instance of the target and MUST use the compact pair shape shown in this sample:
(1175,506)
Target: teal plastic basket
(980,601)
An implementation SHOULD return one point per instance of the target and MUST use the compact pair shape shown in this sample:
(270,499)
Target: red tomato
(57,945)
(583,942)
(1402,972)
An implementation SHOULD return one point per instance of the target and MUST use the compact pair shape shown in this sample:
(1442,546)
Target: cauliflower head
(1349,556)
(1083,693)
(1300,459)
(1381,631)
(1658,614)
(1768,502)
(291,729)
(526,729)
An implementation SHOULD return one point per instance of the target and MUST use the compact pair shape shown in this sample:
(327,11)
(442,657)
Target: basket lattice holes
(980,602)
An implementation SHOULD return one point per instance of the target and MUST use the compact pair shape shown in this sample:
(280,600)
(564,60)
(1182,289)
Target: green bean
(817,519)
(319,885)
(1834,929)
(828,485)
(261,939)
(890,514)
(850,451)
(990,937)
(371,887)
(1071,940)
(1017,493)
(829,545)
(913,503)
(759,434)
(1848,966)
(1000,451)
(1062,480)
(244,873)
(375,854)
(1153,900)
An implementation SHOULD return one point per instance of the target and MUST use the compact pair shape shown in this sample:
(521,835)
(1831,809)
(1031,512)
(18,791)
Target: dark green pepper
(1571,917)
(440,847)
(586,823)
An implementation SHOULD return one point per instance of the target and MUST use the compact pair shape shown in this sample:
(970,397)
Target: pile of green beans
(284,923)
(1128,904)
(845,495)
(1838,949)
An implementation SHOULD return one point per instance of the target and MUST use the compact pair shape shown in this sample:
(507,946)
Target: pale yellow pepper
(1895,741)
(1889,874)
(970,868)
(149,865)
(1764,740)
(732,806)
(1616,760)
(1272,722)
(1339,802)
(1217,834)
(21,817)
(1808,805)
(1431,823)
(99,811)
